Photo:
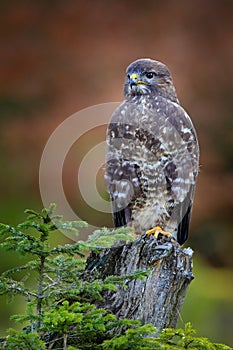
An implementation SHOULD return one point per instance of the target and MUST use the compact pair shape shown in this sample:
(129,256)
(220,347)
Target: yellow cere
(134,76)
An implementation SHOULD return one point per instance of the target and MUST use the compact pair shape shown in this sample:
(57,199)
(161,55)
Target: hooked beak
(134,80)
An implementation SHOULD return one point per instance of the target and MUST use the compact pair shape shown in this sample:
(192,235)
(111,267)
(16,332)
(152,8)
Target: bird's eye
(150,75)
(128,76)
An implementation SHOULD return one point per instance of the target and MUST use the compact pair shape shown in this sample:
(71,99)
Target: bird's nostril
(134,76)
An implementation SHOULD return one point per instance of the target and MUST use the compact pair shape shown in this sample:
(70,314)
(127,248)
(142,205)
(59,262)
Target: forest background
(59,57)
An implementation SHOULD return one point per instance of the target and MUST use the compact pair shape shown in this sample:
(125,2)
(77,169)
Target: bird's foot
(156,231)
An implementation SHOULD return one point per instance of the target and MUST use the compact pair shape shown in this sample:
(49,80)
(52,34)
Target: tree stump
(158,298)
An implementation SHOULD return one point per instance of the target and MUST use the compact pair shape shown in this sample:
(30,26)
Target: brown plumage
(152,154)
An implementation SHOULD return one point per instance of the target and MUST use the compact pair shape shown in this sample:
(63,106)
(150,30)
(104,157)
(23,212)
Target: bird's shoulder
(150,108)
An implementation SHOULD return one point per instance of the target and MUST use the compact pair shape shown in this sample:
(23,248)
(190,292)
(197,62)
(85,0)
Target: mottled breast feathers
(152,154)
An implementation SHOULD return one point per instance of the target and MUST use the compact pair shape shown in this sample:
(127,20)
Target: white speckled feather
(152,154)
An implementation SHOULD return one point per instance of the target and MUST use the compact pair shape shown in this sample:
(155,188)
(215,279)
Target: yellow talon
(156,231)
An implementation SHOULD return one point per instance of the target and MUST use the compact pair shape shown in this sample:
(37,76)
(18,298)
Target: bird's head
(148,77)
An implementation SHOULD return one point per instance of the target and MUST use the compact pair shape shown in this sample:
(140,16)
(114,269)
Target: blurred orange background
(59,57)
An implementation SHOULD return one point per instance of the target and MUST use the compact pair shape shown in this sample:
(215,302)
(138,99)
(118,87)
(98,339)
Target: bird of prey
(152,158)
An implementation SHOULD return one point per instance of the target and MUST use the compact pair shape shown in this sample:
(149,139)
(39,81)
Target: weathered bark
(159,297)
